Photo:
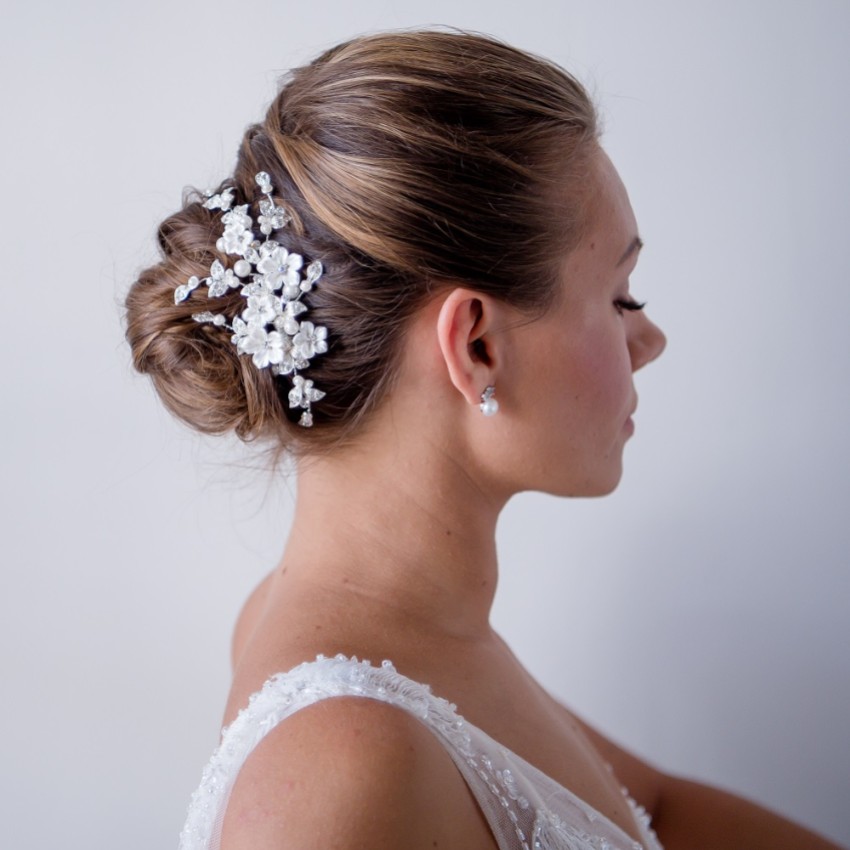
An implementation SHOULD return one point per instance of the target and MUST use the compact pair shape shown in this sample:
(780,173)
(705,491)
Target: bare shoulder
(351,772)
(643,781)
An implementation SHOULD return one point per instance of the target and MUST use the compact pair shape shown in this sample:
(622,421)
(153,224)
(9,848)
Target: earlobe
(469,352)
(489,406)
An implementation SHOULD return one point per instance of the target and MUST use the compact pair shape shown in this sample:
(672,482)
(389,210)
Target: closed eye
(623,304)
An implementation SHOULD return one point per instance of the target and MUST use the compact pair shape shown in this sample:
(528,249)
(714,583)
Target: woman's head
(409,162)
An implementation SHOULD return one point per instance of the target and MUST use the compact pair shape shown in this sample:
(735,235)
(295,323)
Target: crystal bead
(314,271)
(306,420)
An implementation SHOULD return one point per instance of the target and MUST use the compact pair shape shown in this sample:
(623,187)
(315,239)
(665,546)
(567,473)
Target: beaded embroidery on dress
(526,809)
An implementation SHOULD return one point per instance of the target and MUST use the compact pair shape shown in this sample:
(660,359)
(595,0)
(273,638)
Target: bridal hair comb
(272,280)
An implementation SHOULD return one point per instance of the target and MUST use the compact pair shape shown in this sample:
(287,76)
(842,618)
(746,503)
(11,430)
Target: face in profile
(576,390)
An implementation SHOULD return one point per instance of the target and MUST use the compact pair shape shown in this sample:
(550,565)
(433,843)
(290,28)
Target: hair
(409,161)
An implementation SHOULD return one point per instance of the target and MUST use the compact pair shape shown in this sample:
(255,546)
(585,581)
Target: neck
(407,530)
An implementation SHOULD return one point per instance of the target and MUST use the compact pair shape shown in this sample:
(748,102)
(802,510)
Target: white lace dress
(526,809)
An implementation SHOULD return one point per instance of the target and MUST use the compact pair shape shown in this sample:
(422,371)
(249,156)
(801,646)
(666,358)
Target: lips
(629,424)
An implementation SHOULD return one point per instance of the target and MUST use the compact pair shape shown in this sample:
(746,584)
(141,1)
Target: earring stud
(489,406)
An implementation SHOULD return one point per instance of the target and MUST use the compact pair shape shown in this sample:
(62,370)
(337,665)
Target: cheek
(602,377)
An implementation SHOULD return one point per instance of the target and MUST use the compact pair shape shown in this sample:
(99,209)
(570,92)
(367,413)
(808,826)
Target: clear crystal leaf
(314,271)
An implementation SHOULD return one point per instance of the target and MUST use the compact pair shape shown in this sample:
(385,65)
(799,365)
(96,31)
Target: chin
(587,489)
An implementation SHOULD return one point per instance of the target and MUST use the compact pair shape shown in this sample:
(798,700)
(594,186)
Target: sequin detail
(526,810)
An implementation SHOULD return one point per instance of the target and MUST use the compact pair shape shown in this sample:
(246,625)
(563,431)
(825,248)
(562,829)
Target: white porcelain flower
(261,309)
(235,240)
(272,350)
(237,218)
(310,340)
(281,270)
(288,364)
(265,348)
(241,332)
(272,257)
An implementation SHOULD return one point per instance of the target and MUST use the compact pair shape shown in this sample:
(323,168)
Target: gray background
(699,615)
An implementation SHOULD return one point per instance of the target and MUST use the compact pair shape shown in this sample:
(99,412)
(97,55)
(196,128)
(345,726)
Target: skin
(407,570)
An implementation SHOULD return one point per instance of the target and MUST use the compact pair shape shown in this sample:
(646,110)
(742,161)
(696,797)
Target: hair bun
(195,368)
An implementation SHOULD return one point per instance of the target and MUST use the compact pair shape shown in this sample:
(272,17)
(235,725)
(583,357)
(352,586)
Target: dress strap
(515,798)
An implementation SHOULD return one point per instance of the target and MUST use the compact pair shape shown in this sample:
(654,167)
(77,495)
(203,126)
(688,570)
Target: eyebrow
(635,245)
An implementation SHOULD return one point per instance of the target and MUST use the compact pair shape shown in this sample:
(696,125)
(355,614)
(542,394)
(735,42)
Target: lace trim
(285,693)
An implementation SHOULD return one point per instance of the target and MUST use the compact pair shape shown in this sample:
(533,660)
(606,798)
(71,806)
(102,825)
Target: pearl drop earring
(489,405)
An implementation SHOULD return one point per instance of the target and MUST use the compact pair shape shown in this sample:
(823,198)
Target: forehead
(609,229)
(611,220)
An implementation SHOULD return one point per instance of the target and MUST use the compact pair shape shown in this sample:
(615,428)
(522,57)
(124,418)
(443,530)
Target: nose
(646,342)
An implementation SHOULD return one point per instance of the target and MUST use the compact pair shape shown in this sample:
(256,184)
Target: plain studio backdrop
(699,615)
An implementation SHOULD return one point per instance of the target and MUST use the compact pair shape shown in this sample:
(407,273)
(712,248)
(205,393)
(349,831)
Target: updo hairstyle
(409,161)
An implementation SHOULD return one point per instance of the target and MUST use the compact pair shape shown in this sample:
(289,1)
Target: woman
(416,283)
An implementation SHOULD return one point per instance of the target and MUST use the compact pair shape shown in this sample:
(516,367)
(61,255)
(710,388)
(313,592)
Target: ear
(469,347)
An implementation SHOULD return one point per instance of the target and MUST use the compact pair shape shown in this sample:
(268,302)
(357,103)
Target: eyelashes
(624,304)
